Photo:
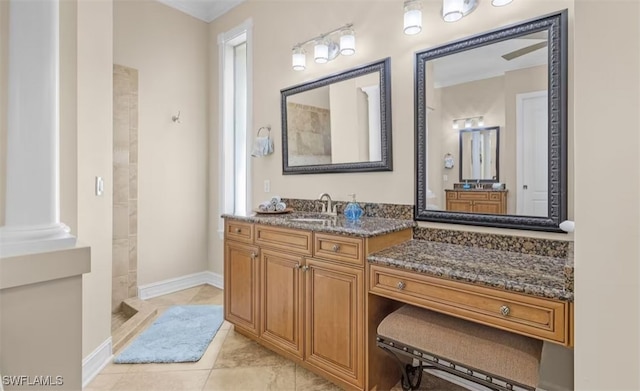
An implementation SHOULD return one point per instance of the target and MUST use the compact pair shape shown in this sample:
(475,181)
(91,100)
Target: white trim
(225,39)
(179,283)
(96,361)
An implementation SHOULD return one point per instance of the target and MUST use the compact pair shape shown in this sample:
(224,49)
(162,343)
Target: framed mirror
(514,80)
(480,154)
(339,123)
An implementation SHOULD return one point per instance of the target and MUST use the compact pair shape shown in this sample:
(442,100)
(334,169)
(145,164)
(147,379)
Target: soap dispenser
(353,211)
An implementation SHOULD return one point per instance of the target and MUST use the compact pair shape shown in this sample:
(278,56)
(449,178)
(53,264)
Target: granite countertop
(365,227)
(530,274)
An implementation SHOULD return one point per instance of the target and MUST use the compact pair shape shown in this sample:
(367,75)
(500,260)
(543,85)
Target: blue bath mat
(181,334)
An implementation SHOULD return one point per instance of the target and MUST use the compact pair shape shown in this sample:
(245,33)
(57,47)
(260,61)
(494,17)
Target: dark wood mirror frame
(556,26)
(385,164)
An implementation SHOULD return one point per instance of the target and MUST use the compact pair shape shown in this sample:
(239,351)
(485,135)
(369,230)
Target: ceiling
(205,10)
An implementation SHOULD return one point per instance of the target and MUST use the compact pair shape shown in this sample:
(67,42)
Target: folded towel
(264,206)
(281,206)
(275,199)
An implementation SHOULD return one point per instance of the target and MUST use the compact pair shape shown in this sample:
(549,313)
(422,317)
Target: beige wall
(607,147)
(94,143)
(278,25)
(169,50)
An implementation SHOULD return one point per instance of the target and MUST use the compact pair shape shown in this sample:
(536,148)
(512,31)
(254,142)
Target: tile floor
(231,362)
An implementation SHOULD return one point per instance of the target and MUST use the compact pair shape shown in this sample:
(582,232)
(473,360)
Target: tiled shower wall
(125,185)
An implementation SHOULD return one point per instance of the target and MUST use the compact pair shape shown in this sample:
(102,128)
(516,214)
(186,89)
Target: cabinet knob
(254,255)
(401,285)
(238,230)
(336,248)
(504,310)
(304,268)
(297,266)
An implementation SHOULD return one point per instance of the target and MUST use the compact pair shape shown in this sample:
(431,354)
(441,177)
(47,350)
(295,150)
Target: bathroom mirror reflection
(340,123)
(515,79)
(479,154)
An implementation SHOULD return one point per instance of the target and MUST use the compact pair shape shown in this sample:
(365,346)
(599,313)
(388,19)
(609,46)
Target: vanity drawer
(339,248)
(452,195)
(533,316)
(239,231)
(291,240)
(473,195)
(495,196)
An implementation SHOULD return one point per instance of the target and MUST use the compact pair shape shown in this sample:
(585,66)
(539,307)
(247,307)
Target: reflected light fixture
(325,49)
(470,122)
(412,17)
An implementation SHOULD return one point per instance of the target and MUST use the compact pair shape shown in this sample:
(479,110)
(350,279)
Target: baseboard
(96,361)
(179,283)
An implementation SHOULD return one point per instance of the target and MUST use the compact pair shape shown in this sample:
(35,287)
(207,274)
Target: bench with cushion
(494,358)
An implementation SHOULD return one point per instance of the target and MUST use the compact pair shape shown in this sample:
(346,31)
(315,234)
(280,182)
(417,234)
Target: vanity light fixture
(471,122)
(412,17)
(325,49)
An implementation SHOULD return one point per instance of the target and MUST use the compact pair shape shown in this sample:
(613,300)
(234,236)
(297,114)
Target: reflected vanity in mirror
(512,174)
(340,123)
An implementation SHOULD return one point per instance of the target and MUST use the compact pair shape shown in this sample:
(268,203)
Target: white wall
(607,149)
(170,51)
(94,144)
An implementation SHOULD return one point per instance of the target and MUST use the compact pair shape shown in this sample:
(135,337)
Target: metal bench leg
(411,376)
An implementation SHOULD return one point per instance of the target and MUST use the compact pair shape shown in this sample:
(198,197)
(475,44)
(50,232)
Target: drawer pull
(401,285)
(254,255)
(238,230)
(304,268)
(297,266)
(336,248)
(504,310)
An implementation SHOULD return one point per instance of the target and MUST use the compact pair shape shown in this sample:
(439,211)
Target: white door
(532,156)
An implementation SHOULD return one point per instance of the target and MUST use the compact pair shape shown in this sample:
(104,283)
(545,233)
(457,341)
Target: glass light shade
(412,17)
(298,59)
(452,10)
(500,3)
(455,124)
(321,51)
(468,123)
(480,121)
(347,42)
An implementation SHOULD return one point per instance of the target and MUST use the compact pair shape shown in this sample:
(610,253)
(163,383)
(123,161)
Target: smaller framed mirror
(339,123)
(480,154)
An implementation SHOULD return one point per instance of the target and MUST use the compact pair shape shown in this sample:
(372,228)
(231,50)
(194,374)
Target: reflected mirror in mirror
(513,78)
(479,154)
(340,123)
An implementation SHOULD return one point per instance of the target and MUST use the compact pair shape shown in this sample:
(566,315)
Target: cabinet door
(459,206)
(281,316)
(493,207)
(334,311)
(241,266)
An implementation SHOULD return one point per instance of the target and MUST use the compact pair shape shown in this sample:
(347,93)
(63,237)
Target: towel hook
(176,118)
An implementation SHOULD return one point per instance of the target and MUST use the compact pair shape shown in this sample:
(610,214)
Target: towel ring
(265,127)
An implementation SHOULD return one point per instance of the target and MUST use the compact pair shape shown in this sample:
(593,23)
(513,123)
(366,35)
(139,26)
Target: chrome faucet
(329,208)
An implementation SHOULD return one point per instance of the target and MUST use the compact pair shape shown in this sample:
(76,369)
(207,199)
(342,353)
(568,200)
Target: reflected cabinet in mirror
(340,123)
(499,101)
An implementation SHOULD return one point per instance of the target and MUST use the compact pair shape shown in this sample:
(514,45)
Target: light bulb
(452,10)
(321,51)
(412,17)
(298,59)
(347,42)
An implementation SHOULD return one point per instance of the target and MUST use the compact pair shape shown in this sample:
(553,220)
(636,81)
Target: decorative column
(32,215)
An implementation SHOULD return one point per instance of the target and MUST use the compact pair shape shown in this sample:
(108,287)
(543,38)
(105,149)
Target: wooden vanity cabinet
(477,201)
(241,275)
(304,295)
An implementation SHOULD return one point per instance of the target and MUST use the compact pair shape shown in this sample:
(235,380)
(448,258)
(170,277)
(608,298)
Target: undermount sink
(322,220)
